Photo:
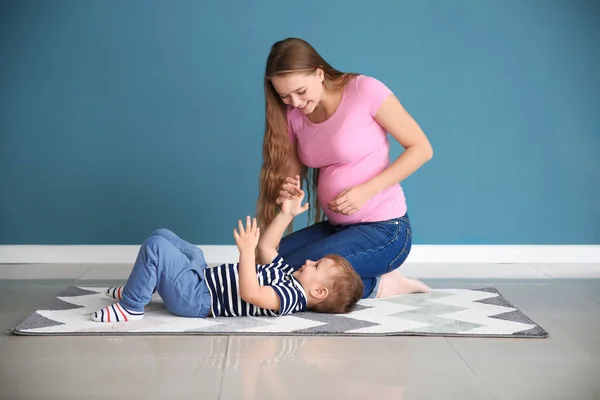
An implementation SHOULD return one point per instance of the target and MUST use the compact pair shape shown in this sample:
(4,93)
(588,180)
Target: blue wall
(120,117)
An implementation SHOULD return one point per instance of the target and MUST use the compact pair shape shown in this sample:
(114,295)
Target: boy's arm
(281,298)
(290,207)
(269,241)
(250,290)
(265,296)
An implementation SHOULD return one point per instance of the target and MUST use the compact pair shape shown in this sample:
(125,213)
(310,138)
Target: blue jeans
(373,248)
(175,268)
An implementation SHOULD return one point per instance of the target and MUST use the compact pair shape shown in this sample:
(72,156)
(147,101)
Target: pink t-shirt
(350,148)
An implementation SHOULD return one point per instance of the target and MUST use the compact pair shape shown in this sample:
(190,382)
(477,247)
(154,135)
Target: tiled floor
(564,366)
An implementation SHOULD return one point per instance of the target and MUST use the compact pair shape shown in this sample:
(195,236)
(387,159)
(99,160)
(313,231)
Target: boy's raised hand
(247,238)
(294,206)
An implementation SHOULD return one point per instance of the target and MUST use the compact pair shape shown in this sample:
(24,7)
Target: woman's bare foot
(393,283)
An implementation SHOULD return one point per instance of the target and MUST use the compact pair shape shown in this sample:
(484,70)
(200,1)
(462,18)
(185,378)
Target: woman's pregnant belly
(333,180)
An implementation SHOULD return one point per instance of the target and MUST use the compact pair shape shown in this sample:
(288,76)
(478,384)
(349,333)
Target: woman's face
(301,90)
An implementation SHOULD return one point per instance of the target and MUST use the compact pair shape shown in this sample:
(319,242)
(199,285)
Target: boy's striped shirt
(223,284)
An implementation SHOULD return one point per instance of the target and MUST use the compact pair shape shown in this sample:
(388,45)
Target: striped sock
(114,292)
(116,313)
(117,292)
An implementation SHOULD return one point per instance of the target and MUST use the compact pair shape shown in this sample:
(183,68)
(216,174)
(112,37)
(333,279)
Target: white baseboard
(101,254)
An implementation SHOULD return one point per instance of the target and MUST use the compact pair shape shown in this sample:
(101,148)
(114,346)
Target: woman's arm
(295,163)
(397,121)
(392,116)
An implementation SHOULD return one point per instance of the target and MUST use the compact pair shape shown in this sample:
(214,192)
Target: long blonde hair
(288,56)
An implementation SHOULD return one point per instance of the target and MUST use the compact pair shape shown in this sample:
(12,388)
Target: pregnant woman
(329,129)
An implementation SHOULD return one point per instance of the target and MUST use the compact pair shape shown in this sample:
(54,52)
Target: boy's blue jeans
(175,268)
(373,248)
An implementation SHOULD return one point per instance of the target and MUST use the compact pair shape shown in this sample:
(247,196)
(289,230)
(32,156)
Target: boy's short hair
(345,288)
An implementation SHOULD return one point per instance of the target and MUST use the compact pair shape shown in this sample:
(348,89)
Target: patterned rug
(442,312)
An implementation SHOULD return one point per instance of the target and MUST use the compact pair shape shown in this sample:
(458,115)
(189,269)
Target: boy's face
(315,272)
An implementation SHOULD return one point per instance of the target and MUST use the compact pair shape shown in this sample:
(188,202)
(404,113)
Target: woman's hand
(352,199)
(289,189)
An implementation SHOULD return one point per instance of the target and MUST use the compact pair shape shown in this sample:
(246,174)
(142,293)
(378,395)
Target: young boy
(177,270)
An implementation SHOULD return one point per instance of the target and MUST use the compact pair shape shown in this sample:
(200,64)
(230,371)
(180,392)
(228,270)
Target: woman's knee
(376,262)
(404,252)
